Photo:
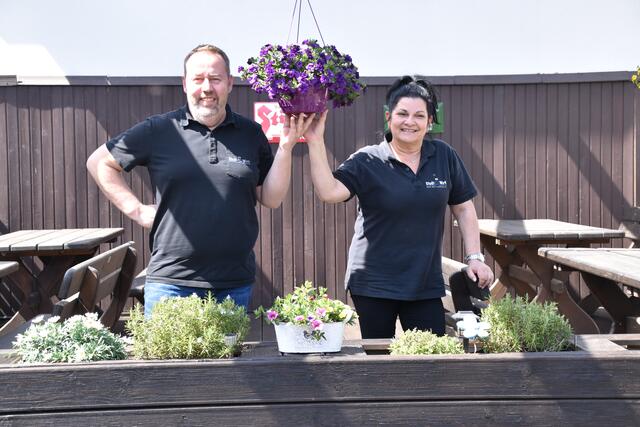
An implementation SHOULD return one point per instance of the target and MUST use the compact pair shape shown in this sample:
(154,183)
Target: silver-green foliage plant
(188,328)
(517,325)
(77,339)
(424,342)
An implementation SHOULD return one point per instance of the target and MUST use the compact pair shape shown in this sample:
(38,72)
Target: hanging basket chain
(298,7)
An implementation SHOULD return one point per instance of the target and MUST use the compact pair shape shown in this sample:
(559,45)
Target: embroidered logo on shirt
(436,182)
(235,159)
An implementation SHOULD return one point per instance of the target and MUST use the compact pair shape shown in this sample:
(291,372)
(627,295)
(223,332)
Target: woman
(403,185)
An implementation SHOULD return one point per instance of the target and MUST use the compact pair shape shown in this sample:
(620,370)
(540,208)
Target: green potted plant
(517,325)
(308,321)
(189,328)
(636,78)
(301,77)
(77,339)
(414,342)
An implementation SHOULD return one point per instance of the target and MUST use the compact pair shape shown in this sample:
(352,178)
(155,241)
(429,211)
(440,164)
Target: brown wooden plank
(57,140)
(69,158)
(477,412)
(35,137)
(521,376)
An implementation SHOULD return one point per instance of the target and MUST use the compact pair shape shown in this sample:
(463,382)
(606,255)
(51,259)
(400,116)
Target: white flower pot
(291,338)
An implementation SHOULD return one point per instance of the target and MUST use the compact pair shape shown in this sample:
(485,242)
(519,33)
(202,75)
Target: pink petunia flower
(272,314)
(317,325)
(321,312)
(298,318)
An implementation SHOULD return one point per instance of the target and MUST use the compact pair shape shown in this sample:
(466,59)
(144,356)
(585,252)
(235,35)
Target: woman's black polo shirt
(396,249)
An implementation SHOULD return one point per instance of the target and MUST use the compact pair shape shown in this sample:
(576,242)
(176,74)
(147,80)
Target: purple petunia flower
(321,312)
(272,314)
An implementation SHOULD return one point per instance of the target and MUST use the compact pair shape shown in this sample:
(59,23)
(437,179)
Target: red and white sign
(271,118)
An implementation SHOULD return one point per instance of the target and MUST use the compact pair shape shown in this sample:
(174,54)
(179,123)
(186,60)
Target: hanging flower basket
(286,73)
(314,100)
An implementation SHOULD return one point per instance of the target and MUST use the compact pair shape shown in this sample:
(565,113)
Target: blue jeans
(154,291)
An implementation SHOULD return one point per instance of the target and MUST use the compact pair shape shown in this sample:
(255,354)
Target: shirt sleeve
(132,147)
(265,158)
(462,186)
(350,174)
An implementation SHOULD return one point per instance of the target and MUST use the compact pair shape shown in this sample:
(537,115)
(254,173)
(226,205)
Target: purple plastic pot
(314,100)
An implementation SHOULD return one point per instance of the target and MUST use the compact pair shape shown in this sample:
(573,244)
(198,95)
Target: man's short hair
(208,48)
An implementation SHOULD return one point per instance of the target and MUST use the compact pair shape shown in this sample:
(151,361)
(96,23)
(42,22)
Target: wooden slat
(276,379)
(477,412)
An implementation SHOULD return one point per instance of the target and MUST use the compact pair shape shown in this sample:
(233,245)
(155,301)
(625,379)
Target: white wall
(385,38)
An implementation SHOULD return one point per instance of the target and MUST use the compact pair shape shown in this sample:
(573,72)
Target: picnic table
(602,269)
(57,250)
(514,245)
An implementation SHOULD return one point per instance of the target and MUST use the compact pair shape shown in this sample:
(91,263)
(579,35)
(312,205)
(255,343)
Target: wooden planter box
(597,386)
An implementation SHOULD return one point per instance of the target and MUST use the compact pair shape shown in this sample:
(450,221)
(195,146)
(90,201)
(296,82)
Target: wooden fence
(558,146)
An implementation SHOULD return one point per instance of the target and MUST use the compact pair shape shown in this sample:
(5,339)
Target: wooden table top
(57,240)
(543,229)
(619,265)
(8,267)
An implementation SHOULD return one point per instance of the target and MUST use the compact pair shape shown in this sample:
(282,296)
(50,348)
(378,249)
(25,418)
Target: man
(208,167)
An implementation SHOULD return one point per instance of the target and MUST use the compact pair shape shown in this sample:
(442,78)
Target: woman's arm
(467,218)
(327,188)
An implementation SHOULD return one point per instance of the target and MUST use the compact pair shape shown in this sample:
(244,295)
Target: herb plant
(424,342)
(283,71)
(310,307)
(77,339)
(188,328)
(517,325)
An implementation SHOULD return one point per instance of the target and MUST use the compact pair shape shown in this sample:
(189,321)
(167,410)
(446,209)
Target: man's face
(207,86)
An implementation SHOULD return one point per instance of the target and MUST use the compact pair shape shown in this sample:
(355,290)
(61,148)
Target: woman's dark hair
(412,87)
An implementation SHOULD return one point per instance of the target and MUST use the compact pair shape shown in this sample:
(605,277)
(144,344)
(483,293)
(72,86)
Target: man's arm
(276,183)
(107,173)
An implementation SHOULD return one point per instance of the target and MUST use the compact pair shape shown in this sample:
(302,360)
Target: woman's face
(409,120)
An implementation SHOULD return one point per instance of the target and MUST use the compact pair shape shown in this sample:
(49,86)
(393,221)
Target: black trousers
(378,315)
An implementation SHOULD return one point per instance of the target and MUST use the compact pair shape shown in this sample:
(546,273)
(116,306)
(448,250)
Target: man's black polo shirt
(205,186)
(396,249)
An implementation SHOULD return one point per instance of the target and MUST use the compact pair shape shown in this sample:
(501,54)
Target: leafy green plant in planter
(77,339)
(517,325)
(188,328)
(424,342)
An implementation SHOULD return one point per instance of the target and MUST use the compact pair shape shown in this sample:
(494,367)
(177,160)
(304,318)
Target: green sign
(436,128)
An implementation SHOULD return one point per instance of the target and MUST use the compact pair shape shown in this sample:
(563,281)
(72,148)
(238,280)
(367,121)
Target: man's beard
(203,113)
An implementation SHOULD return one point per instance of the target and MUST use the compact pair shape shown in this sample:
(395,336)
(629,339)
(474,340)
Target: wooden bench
(86,285)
